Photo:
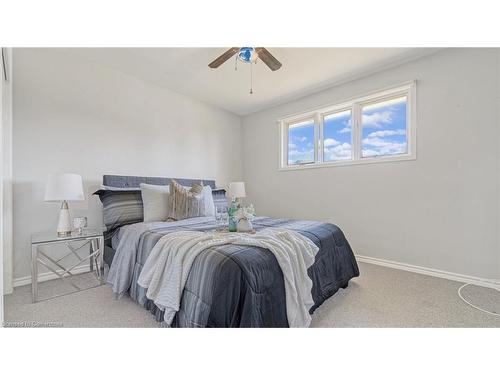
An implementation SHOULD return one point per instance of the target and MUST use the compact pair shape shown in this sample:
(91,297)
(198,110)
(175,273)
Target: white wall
(6,173)
(2,89)
(498,201)
(440,211)
(71,115)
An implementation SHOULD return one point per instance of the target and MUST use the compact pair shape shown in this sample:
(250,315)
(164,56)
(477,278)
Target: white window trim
(408,89)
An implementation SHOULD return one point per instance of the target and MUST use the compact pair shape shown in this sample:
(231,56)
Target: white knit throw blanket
(166,270)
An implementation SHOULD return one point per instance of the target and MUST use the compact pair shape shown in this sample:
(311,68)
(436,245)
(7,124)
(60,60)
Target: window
(337,136)
(301,142)
(373,128)
(384,128)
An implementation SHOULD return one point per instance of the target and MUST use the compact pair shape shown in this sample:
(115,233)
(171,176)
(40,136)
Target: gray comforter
(233,285)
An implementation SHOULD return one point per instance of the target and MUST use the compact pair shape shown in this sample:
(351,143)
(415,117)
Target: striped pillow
(220,199)
(120,207)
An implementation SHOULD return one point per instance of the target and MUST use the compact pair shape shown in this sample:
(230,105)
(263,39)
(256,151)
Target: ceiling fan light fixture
(247,54)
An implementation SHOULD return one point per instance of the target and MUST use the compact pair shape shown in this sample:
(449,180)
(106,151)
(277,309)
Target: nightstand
(74,242)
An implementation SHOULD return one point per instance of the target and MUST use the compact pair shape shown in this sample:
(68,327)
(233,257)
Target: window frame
(355,105)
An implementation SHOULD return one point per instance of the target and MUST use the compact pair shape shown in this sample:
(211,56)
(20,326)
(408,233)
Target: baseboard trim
(489,283)
(46,276)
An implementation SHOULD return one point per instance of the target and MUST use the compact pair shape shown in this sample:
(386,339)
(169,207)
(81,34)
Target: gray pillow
(120,207)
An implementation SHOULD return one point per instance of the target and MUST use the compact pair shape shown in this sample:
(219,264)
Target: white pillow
(209,201)
(155,202)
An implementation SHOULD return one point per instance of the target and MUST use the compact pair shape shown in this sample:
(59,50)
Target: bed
(235,285)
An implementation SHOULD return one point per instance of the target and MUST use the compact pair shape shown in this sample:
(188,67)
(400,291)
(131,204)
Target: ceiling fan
(247,55)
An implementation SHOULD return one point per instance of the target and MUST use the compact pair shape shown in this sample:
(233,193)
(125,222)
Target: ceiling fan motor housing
(247,54)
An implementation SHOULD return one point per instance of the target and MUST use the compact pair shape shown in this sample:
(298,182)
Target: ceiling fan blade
(224,57)
(268,59)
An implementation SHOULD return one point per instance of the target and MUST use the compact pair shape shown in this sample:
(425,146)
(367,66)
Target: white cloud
(375,142)
(379,146)
(387,133)
(300,155)
(338,152)
(377,119)
(369,153)
(329,142)
(346,128)
(292,146)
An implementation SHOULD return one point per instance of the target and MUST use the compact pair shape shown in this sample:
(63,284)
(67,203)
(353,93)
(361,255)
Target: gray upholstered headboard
(134,181)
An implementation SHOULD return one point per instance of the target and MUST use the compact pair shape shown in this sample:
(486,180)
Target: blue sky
(337,136)
(383,133)
(301,143)
(384,129)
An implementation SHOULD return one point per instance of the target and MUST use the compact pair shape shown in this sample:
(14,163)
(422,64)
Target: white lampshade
(236,190)
(64,187)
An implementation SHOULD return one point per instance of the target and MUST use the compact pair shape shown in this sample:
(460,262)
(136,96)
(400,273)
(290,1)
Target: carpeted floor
(380,297)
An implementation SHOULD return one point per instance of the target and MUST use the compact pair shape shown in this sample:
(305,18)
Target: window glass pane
(337,138)
(384,128)
(301,143)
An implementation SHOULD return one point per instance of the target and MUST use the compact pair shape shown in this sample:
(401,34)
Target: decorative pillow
(155,202)
(120,207)
(185,202)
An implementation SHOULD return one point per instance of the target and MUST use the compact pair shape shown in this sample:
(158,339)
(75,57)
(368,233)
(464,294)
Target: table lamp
(236,191)
(63,188)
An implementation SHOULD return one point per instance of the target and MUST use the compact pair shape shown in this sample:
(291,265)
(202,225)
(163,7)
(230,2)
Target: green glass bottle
(231,212)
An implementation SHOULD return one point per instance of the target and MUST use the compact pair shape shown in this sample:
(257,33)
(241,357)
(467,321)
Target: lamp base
(64,224)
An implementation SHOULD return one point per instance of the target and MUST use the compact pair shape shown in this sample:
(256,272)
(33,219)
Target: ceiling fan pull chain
(251,78)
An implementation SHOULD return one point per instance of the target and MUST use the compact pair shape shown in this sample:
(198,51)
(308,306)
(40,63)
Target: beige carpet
(380,297)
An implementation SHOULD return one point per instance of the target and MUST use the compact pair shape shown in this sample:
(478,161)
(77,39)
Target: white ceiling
(304,70)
